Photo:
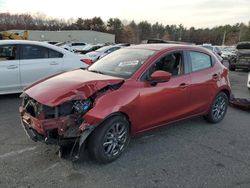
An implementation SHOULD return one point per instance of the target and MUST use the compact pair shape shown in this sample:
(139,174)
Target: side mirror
(159,77)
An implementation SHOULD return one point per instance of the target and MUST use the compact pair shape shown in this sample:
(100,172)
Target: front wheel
(109,139)
(218,108)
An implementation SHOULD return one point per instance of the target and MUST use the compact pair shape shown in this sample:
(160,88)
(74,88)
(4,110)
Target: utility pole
(239,35)
(224,36)
(180,38)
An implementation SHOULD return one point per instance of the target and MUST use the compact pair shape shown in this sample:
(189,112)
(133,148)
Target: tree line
(130,32)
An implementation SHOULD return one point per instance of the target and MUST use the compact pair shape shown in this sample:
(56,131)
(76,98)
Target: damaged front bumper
(59,131)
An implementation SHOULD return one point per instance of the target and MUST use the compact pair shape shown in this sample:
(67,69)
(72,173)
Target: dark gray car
(242,59)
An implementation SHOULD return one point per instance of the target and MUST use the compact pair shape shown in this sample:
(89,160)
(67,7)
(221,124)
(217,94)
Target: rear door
(37,62)
(9,69)
(203,81)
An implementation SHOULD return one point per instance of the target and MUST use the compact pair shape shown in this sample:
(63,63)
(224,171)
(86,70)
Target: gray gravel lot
(190,153)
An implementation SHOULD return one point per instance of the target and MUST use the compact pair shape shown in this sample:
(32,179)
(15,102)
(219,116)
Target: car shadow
(144,140)
(242,70)
(9,96)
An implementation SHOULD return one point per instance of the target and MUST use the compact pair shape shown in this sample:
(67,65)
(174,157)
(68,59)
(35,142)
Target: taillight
(87,61)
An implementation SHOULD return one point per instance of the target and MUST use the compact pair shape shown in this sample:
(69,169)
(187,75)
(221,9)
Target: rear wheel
(109,139)
(218,108)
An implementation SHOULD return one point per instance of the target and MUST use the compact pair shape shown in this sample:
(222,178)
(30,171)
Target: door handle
(183,85)
(54,63)
(12,67)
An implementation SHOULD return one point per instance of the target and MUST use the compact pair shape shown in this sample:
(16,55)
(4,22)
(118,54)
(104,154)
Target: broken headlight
(81,107)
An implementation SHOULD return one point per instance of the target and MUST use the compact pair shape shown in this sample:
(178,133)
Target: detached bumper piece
(243,104)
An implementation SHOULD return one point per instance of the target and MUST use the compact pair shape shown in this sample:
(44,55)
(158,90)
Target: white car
(215,49)
(248,81)
(227,54)
(71,46)
(101,52)
(23,62)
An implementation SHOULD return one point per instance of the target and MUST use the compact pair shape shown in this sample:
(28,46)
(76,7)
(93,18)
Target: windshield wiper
(96,71)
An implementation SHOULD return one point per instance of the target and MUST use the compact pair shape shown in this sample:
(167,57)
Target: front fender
(112,102)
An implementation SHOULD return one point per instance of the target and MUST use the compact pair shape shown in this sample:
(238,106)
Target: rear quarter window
(199,61)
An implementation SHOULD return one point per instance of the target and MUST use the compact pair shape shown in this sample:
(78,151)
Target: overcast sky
(197,13)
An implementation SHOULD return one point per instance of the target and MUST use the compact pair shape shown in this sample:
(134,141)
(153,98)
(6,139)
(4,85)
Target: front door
(168,101)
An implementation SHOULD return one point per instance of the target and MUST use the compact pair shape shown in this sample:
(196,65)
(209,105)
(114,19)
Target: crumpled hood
(74,85)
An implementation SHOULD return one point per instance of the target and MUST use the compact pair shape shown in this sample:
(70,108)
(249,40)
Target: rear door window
(38,52)
(199,61)
(34,52)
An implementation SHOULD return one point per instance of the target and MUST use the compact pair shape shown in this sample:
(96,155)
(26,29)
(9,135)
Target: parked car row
(228,52)
(214,49)
(93,56)
(71,45)
(90,52)
(23,62)
(88,48)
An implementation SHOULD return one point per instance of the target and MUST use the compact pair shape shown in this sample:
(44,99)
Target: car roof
(163,46)
(44,44)
(19,42)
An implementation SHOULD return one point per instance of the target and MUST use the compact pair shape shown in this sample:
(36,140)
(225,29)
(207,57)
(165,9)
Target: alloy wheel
(115,139)
(219,108)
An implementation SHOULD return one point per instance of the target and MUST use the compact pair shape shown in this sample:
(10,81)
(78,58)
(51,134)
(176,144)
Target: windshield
(121,63)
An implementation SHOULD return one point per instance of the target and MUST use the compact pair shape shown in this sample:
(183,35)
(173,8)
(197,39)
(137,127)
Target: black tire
(109,140)
(231,67)
(218,109)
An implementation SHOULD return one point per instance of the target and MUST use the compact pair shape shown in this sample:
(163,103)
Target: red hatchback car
(127,92)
